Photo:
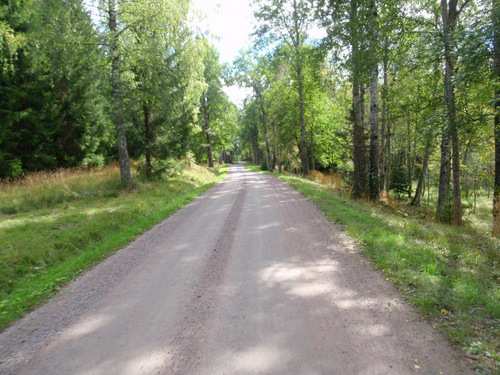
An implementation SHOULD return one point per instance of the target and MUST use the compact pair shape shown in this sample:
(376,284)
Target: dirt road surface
(248,279)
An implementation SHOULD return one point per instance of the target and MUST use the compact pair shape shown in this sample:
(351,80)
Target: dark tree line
(115,79)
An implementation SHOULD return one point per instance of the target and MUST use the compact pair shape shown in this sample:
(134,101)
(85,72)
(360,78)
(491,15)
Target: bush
(93,162)
(400,181)
(160,168)
(10,168)
(263,165)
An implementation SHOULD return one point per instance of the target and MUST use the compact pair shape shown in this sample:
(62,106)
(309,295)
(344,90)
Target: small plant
(93,162)
(263,165)
(159,168)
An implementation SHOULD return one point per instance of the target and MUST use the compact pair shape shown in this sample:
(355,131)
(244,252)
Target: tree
(449,17)
(249,133)
(252,71)
(164,64)
(288,23)
(215,108)
(352,25)
(373,170)
(53,98)
(117,90)
(496,81)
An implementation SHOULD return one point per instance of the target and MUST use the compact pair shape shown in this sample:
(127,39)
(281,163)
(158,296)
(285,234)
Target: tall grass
(334,180)
(55,225)
(45,189)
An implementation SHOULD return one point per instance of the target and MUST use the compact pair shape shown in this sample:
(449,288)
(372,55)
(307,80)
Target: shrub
(264,165)
(93,162)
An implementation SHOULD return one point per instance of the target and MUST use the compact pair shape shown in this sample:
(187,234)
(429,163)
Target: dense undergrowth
(451,274)
(54,225)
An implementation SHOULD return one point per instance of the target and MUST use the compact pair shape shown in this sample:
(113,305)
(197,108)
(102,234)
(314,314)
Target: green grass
(451,274)
(55,225)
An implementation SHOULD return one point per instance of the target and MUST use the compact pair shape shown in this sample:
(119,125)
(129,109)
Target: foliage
(400,181)
(263,165)
(405,41)
(218,117)
(52,99)
(163,81)
(60,82)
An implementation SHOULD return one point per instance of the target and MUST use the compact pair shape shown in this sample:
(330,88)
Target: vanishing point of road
(250,278)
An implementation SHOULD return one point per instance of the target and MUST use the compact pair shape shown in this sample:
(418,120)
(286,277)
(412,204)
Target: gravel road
(250,278)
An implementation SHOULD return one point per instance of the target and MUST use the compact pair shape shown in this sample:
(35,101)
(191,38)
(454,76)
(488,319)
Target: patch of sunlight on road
(267,226)
(376,330)
(280,273)
(148,363)
(301,281)
(307,290)
(87,326)
(365,303)
(259,359)
(190,259)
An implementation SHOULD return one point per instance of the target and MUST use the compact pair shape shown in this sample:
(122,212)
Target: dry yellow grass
(61,177)
(42,189)
(330,179)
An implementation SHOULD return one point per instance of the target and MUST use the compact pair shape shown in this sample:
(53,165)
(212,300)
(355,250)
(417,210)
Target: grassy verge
(55,225)
(451,274)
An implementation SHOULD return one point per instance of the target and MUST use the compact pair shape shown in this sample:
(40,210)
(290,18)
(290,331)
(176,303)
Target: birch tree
(496,81)
(288,22)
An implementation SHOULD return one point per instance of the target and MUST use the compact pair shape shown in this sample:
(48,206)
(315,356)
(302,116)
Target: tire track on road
(186,343)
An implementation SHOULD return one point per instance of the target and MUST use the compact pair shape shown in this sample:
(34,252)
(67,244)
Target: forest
(397,99)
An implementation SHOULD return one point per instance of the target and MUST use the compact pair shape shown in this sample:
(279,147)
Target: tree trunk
(425,167)
(496,74)
(383,123)
(443,204)
(303,143)
(388,156)
(410,161)
(373,181)
(457,194)
(117,94)
(206,115)
(255,143)
(313,146)
(275,148)
(385,109)
(452,111)
(149,141)
(359,146)
(450,132)
(263,118)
